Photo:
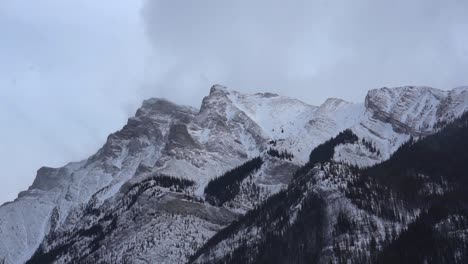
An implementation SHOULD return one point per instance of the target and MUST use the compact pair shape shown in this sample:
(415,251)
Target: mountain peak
(388,99)
(460,89)
(398,92)
(161,106)
(412,109)
(217,88)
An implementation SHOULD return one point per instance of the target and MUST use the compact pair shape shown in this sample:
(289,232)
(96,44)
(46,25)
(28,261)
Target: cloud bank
(308,49)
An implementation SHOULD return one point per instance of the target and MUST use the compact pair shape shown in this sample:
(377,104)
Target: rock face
(410,110)
(109,208)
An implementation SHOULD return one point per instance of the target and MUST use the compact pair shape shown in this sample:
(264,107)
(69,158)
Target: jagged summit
(218,88)
(162,106)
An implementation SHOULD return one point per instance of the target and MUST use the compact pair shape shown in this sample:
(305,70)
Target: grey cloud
(310,49)
(70,74)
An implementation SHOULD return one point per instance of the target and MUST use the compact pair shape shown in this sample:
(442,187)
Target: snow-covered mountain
(114,207)
(409,209)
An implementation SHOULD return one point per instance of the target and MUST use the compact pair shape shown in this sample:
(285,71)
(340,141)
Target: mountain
(412,208)
(148,195)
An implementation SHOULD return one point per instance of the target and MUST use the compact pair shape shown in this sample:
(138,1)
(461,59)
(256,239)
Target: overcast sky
(71,72)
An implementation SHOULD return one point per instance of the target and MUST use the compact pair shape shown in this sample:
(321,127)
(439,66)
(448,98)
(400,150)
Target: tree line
(225,187)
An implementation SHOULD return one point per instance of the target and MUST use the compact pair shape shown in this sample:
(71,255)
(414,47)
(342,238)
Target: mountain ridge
(199,144)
